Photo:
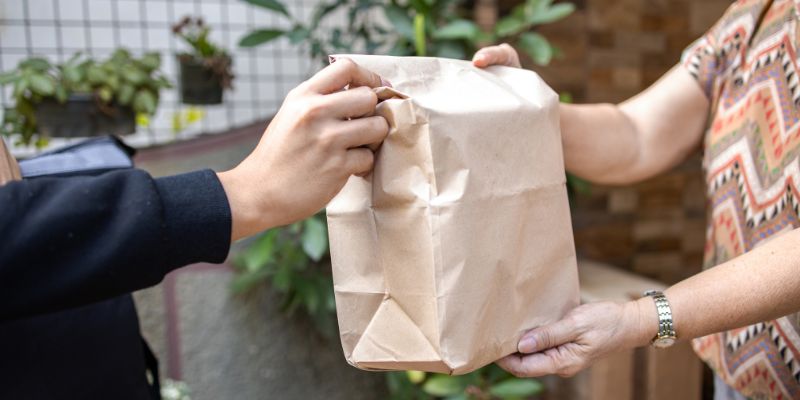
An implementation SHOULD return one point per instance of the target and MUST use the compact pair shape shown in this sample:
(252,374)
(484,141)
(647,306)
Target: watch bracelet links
(665,324)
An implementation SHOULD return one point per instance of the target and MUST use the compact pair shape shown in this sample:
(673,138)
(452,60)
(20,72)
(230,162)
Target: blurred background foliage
(294,260)
(440,28)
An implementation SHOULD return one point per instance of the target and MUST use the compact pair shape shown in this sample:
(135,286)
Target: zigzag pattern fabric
(747,64)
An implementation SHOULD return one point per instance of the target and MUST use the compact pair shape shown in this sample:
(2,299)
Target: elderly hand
(308,152)
(503,54)
(588,333)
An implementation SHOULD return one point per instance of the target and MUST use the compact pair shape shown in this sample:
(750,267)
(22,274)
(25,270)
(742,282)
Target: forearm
(760,285)
(72,241)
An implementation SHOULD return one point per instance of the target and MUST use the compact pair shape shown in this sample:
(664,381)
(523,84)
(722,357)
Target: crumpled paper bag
(460,240)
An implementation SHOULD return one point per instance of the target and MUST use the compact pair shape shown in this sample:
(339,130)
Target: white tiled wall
(57,29)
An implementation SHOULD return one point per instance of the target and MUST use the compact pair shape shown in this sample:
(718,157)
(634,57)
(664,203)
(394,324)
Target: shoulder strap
(9,169)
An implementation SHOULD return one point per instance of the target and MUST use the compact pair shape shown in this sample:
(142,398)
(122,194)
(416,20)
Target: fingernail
(527,345)
(386,83)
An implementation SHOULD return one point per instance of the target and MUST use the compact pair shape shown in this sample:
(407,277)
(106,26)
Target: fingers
(548,336)
(359,161)
(343,72)
(496,55)
(351,103)
(362,132)
(561,361)
(529,366)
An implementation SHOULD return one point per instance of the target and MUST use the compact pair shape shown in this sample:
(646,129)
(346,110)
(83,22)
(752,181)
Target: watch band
(666,329)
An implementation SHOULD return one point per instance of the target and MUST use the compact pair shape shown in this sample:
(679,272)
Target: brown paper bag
(9,169)
(460,240)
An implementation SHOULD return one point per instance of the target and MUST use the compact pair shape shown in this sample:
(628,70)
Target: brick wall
(612,50)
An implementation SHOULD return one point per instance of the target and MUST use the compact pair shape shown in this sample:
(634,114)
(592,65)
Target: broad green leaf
(133,75)
(516,388)
(261,252)
(151,61)
(323,10)
(246,281)
(61,94)
(551,14)
(510,25)
(458,29)
(21,86)
(42,85)
(8,77)
(283,277)
(71,74)
(315,238)
(260,37)
(443,385)
(537,47)
(273,5)
(36,63)
(311,297)
(95,75)
(145,102)
(125,94)
(298,34)
(400,20)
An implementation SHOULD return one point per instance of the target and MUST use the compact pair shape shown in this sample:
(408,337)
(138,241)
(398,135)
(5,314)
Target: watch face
(662,343)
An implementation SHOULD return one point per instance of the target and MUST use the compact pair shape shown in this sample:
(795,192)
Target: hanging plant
(206,70)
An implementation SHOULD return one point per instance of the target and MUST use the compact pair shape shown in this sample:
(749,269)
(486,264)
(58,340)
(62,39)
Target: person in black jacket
(73,249)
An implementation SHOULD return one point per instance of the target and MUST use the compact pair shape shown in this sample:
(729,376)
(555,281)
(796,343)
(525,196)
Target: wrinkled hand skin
(502,54)
(588,333)
(309,150)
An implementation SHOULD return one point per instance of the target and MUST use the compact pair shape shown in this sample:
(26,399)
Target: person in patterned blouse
(735,93)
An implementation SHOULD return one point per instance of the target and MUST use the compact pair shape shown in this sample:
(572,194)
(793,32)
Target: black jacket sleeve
(66,242)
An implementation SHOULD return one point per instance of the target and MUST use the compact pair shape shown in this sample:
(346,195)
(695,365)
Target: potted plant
(81,97)
(206,71)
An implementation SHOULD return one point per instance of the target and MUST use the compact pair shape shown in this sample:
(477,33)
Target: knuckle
(366,95)
(346,64)
(327,139)
(546,338)
(311,110)
(380,125)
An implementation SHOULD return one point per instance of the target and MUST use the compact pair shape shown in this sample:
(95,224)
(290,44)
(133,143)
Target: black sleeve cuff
(197,218)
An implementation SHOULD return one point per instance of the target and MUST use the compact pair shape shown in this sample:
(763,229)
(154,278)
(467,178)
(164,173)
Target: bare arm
(758,286)
(620,144)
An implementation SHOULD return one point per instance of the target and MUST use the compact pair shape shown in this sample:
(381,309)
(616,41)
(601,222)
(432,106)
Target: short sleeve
(702,62)
(712,56)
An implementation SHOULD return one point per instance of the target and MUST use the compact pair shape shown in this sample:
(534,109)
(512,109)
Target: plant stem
(420,38)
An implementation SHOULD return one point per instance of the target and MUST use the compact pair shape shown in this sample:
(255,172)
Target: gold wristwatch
(666,329)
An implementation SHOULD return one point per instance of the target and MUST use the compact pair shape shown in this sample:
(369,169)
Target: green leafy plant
(294,261)
(119,81)
(487,383)
(194,32)
(417,27)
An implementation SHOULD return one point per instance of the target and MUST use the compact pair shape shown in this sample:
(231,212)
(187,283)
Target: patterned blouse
(748,66)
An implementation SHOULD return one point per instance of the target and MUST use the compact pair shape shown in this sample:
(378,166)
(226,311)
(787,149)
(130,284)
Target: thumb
(547,336)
